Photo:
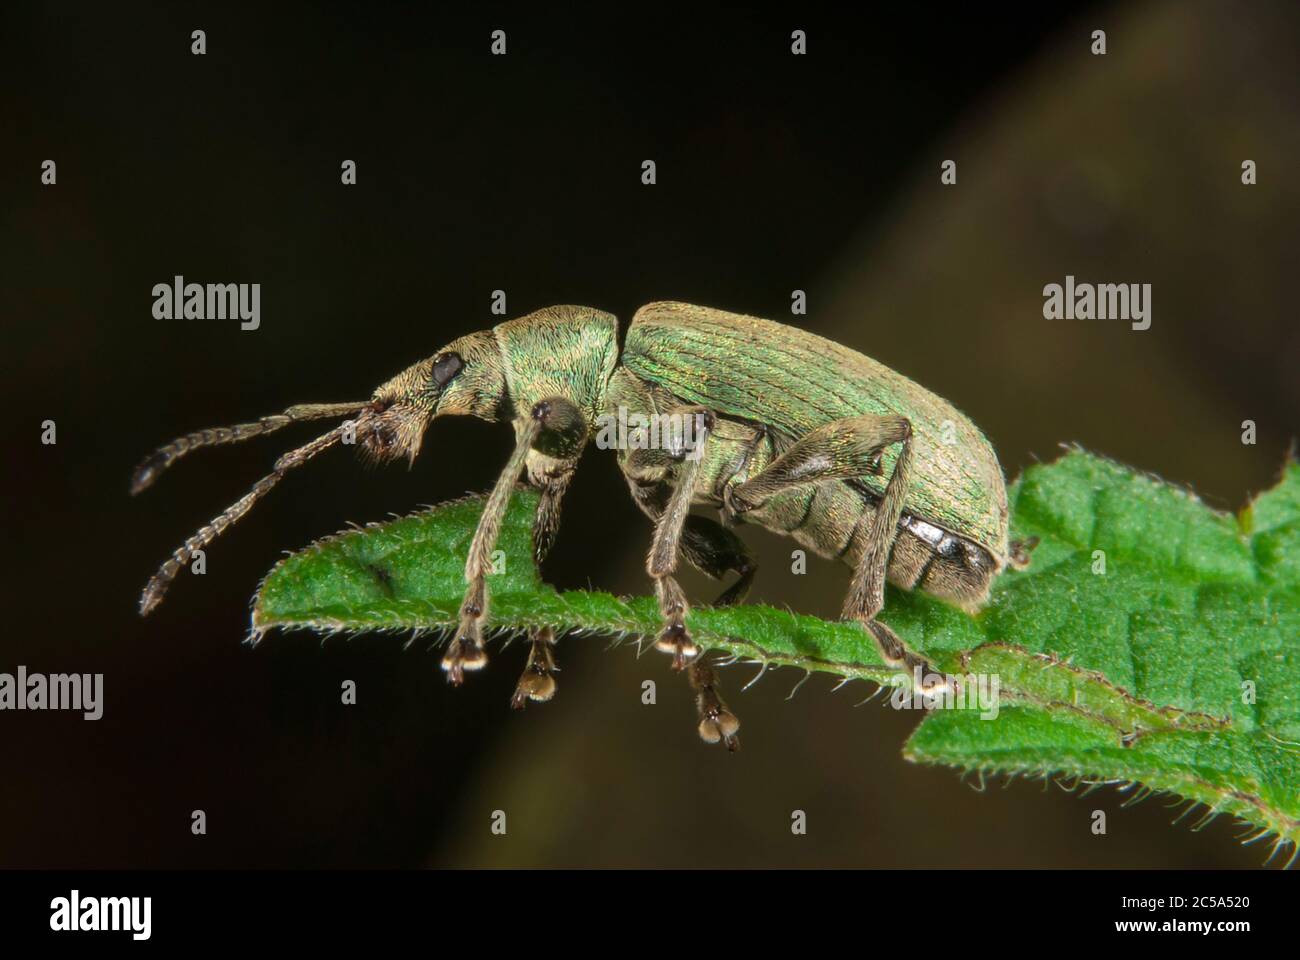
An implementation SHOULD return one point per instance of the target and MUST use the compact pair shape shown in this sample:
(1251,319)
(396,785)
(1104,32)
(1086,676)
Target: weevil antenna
(160,581)
(164,457)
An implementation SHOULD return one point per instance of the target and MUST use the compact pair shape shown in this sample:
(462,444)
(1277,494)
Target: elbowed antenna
(160,581)
(164,457)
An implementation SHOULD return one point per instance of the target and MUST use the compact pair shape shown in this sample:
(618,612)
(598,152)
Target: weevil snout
(389,431)
(392,425)
(464,378)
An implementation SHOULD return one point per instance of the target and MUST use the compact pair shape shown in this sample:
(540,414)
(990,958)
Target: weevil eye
(446,366)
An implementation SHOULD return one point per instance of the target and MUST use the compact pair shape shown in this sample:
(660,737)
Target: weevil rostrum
(795,433)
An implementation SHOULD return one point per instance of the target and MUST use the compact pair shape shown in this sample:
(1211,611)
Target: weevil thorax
(562,351)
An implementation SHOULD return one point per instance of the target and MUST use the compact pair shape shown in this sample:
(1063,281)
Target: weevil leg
(553,482)
(844,449)
(705,544)
(867,592)
(662,560)
(715,550)
(841,449)
(717,723)
(550,426)
(537,682)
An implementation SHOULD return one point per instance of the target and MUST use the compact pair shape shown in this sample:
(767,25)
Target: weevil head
(464,378)
(565,352)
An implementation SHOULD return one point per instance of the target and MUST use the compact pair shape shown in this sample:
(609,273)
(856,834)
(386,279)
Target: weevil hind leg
(897,654)
(867,592)
(537,682)
(844,449)
(841,449)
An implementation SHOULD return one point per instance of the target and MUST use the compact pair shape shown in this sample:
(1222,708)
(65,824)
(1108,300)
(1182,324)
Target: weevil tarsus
(1019,552)
(717,723)
(537,682)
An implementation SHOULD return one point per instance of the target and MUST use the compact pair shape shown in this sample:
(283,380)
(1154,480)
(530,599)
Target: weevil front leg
(553,426)
(845,449)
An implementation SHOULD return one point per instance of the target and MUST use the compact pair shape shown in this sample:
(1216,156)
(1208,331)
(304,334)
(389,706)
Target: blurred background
(522,172)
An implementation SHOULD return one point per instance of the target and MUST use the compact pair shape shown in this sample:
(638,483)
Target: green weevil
(780,427)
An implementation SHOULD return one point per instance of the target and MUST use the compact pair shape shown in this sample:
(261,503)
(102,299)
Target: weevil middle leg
(705,544)
(661,562)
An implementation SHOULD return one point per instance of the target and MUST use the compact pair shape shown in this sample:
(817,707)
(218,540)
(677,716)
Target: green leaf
(1150,640)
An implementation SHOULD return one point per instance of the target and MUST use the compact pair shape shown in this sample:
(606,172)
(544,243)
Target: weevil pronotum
(797,434)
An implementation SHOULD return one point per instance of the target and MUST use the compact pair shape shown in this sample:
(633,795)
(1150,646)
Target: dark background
(522,172)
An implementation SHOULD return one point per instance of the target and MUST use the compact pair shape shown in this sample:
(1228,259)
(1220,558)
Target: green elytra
(791,432)
(796,381)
